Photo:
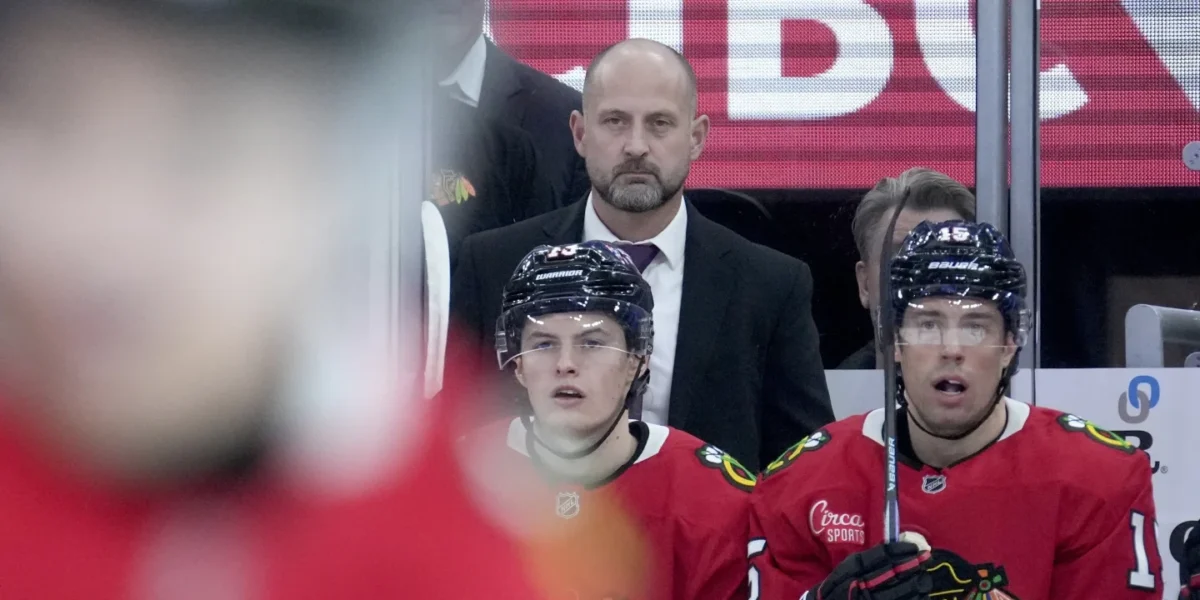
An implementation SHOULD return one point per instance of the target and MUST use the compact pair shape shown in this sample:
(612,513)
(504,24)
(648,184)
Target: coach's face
(638,132)
(159,215)
(952,353)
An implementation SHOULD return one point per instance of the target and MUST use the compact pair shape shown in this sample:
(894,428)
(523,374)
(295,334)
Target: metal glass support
(1024,198)
(991,112)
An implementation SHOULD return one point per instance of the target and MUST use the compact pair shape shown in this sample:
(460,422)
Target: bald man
(736,359)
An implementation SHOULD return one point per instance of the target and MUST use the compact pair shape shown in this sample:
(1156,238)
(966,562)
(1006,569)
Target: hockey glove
(893,571)
(1189,566)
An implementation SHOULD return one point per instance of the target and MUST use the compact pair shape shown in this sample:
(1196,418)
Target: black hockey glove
(1189,566)
(893,571)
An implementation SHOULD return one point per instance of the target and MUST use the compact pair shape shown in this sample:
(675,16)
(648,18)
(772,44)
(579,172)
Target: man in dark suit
(483,173)
(479,74)
(736,358)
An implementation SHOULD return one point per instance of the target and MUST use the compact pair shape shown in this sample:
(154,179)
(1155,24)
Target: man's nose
(637,146)
(566,361)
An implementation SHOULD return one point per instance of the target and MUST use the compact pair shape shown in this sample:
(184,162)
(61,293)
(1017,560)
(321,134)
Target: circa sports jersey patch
(733,471)
(1078,424)
(811,443)
(834,527)
(956,579)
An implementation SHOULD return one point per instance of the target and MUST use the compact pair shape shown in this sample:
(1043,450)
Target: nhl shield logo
(932,484)
(568,505)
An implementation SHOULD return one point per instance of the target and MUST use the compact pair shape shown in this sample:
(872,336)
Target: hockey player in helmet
(576,330)
(998,499)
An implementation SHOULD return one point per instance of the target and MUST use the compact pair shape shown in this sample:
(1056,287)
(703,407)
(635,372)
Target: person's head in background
(166,194)
(639,133)
(932,196)
(455,27)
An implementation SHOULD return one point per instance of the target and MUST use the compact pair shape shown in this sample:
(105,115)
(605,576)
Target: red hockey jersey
(675,518)
(418,535)
(1056,508)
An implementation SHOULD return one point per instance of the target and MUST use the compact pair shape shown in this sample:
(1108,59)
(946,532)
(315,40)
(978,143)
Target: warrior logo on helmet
(956,579)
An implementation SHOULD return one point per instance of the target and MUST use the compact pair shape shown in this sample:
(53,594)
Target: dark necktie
(642,254)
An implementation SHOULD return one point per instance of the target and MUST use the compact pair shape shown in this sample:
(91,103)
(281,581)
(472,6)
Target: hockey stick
(887,343)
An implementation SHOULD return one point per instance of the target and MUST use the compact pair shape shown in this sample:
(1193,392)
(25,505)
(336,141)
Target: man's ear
(700,127)
(577,131)
(1010,351)
(864,294)
(519,371)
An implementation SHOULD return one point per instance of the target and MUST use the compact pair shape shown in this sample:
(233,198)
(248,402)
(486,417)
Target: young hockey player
(1016,501)
(576,330)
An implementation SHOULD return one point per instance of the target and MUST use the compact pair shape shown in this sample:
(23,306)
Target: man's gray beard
(638,197)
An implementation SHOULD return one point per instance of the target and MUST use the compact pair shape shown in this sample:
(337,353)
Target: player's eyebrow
(980,315)
(927,312)
(594,332)
(542,336)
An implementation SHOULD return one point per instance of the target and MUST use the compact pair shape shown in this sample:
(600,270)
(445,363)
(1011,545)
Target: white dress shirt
(466,81)
(665,276)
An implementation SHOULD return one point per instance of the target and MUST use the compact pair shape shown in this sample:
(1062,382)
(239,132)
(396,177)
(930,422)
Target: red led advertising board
(838,93)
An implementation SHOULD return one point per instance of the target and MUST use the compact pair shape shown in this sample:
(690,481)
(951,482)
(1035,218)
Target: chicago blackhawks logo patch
(956,579)
(1078,424)
(811,443)
(733,471)
(450,187)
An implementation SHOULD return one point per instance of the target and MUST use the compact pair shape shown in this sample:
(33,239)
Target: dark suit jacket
(863,358)
(520,95)
(493,167)
(747,375)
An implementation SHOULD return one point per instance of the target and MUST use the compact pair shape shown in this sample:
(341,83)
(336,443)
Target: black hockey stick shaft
(886,334)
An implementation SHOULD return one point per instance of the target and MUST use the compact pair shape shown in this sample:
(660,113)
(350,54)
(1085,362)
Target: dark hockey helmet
(586,277)
(963,259)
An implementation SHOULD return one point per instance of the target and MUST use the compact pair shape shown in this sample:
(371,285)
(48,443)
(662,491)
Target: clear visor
(959,322)
(569,340)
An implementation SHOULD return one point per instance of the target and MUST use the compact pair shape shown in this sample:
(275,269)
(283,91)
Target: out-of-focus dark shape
(177,417)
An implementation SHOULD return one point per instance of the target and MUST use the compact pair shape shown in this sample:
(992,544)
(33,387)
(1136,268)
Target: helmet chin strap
(531,437)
